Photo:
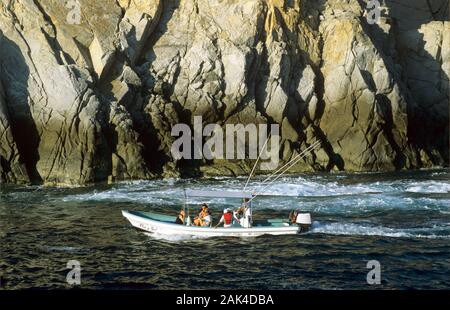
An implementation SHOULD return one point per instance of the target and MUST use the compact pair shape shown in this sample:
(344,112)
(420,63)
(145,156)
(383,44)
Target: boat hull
(165,228)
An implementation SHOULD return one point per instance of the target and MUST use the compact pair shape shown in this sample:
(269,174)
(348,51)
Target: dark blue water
(401,220)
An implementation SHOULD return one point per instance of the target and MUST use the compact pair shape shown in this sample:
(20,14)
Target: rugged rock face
(90,90)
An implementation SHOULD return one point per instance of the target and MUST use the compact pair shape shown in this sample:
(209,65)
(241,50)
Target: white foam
(61,249)
(286,193)
(432,187)
(174,238)
(353,229)
(316,189)
(124,195)
(439,173)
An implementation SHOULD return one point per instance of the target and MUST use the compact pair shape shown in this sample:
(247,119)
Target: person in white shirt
(207,219)
(246,220)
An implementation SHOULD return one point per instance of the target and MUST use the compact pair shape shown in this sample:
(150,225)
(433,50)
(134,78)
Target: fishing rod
(291,164)
(304,152)
(186,208)
(257,160)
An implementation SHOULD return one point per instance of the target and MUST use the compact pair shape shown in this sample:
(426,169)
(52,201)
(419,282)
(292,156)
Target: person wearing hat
(227,219)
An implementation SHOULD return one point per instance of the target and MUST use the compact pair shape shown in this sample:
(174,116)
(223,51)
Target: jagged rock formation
(90,90)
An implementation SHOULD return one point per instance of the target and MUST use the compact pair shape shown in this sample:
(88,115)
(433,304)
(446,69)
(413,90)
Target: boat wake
(343,229)
(441,231)
(173,238)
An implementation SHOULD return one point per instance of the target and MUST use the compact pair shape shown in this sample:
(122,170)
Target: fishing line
(256,163)
(307,150)
(292,163)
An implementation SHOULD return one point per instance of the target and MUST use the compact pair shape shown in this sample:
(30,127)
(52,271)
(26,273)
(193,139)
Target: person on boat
(293,216)
(198,221)
(180,218)
(207,220)
(246,219)
(239,213)
(226,219)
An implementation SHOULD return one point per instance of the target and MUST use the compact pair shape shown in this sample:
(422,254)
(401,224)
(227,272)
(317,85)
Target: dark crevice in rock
(423,126)
(388,127)
(169,7)
(335,159)
(440,12)
(23,126)
(52,38)
(5,169)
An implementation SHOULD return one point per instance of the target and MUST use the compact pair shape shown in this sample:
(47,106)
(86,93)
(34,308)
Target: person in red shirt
(227,219)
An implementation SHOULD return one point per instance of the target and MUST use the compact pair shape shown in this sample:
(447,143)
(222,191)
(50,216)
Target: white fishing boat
(245,227)
(165,225)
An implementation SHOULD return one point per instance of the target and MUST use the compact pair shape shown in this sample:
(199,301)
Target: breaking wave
(318,189)
(169,192)
(429,187)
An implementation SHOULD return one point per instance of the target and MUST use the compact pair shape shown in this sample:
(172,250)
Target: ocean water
(401,220)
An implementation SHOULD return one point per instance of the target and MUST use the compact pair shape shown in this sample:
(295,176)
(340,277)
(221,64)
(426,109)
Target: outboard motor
(304,221)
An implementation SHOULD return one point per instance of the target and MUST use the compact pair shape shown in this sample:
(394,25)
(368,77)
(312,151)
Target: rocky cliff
(90,89)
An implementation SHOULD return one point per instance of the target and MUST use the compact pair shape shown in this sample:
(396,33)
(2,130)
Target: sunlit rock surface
(90,90)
